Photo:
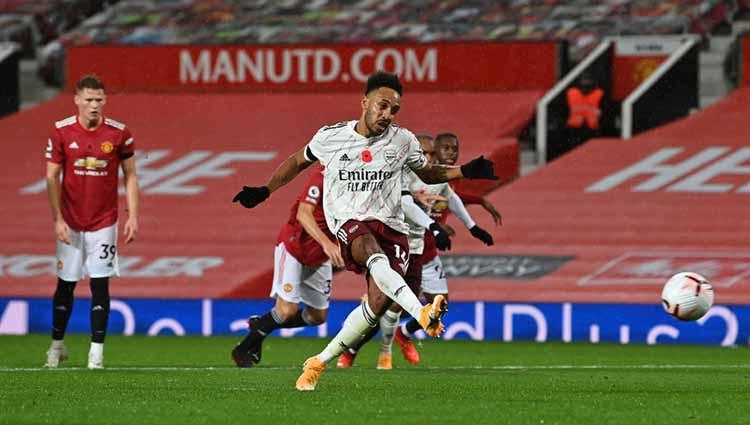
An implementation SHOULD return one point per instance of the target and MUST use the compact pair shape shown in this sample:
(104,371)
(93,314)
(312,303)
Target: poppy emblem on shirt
(288,287)
(366,156)
(107,147)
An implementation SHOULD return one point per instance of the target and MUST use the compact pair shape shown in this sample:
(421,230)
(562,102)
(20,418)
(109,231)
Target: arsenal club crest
(390,156)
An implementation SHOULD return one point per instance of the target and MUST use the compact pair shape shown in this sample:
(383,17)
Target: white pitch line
(606,367)
(438,368)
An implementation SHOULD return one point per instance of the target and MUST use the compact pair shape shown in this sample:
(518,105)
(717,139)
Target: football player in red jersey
(86,150)
(303,268)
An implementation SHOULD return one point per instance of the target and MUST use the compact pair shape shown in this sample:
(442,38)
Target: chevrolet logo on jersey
(90,163)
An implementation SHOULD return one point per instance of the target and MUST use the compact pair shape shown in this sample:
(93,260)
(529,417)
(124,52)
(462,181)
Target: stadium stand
(583,23)
(621,234)
(559,211)
(196,243)
(33,23)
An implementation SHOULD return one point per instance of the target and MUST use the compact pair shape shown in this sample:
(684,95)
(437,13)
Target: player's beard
(373,128)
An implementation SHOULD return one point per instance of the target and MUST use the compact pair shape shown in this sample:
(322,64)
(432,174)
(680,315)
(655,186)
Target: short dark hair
(442,136)
(423,136)
(383,79)
(89,81)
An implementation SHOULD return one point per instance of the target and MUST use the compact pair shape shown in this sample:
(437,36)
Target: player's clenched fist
(249,197)
(442,241)
(478,168)
(482,235)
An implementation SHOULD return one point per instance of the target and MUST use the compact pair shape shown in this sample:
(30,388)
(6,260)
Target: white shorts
(92,254)
(433,277)
(295,282)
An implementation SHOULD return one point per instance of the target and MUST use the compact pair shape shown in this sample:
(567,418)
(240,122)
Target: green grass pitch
(191,380)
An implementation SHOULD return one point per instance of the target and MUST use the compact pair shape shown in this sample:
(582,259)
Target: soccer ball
(687,296)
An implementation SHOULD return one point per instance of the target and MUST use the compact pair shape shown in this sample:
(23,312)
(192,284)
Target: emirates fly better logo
(364,180)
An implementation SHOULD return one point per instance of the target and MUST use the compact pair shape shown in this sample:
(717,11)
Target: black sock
(413,326)
(99,308)
(296,321)
(266,324)
(62,307)
(368,336)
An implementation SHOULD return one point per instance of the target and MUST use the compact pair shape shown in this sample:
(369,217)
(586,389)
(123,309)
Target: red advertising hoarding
(440,66)
(745,55)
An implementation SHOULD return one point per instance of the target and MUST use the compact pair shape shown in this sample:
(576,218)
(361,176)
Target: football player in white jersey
(444,151)
(425,271)
(364,161)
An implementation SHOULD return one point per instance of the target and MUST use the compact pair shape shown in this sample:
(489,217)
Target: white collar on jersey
(353,129)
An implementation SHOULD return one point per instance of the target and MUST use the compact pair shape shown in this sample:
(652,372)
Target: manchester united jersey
(296,240)
(363,175)
(90,162)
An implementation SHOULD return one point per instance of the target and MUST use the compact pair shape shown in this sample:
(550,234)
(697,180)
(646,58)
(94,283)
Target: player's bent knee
(285,310)
(316,317)
(364,247)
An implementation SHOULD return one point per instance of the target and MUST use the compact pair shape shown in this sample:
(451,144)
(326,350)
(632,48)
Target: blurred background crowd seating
(45,27)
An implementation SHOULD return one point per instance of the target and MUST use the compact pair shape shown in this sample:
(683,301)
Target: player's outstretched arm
(249,196)
(456,205)
(416,215)
(307,220)
(477,168)
(496,216)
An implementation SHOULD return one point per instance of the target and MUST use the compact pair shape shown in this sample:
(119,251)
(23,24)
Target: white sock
(57,344)
(404,330)
(356,325)
(393,285)
(388,324)
(97,349)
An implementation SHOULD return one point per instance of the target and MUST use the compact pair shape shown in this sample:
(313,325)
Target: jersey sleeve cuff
(309,156)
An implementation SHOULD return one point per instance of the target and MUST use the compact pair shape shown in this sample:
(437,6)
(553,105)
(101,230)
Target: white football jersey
(362,176)
(414,185)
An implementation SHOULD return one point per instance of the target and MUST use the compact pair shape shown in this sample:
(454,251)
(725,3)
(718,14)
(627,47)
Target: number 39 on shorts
(107,251)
